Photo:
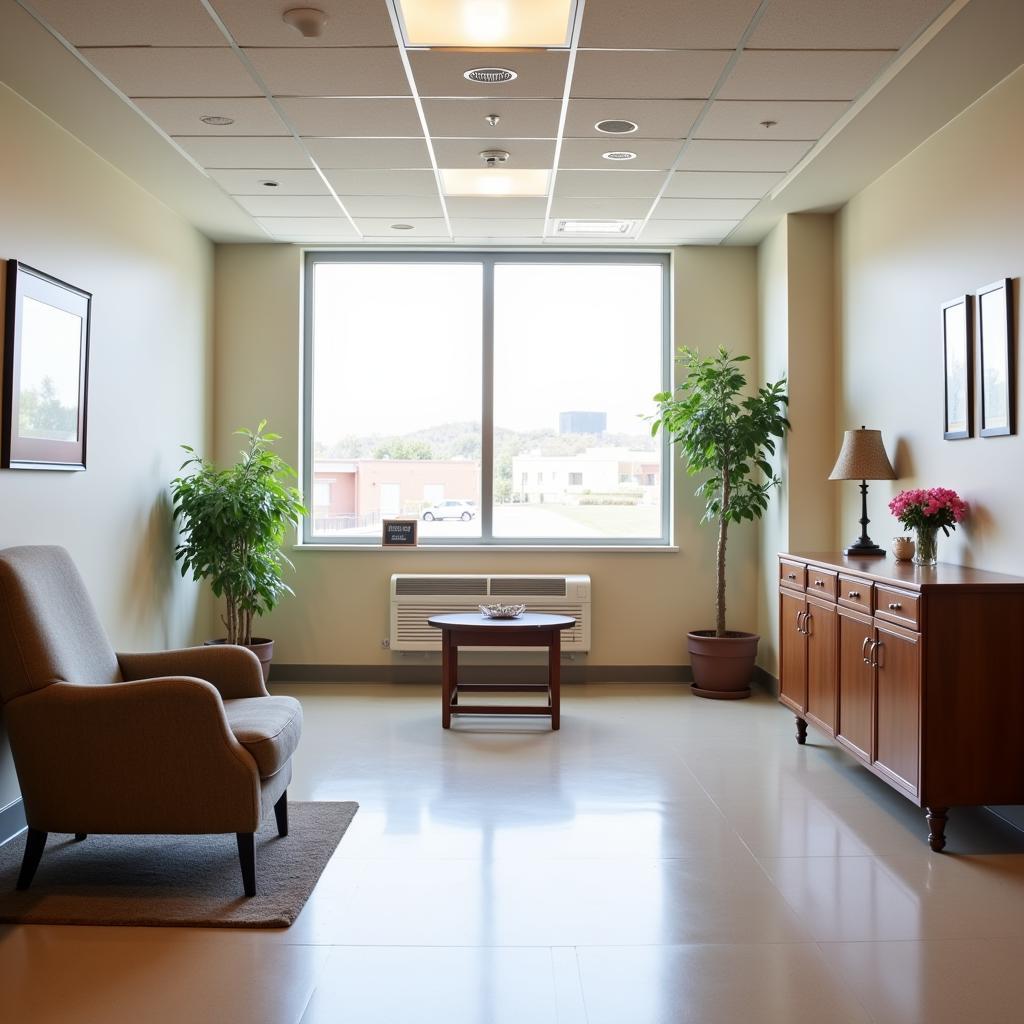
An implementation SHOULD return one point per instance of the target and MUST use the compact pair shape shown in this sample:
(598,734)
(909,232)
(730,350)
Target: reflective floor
(660,859)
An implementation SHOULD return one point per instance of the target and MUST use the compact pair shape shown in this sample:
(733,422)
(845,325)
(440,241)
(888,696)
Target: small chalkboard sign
(398,532)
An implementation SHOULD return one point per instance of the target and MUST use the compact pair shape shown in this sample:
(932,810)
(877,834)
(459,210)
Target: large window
(498,398)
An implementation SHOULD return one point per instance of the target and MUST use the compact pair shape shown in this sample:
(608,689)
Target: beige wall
(945,221)
(643,602)
(67,212)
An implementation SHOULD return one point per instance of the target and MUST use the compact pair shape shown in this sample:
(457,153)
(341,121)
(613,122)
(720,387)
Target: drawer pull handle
(819,583)
(855,594)
(791,576)
(876,646)
(864,650)
(895,606)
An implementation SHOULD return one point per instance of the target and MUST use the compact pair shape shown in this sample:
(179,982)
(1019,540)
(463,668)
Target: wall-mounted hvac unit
(417,596)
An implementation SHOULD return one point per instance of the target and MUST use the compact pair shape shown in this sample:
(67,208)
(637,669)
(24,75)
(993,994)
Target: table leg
(449,672)
(554,676)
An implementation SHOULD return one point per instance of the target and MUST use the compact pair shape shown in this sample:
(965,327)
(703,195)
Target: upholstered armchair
(185,741)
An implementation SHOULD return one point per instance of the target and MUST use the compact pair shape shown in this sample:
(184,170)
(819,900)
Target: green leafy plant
(233,523)
(728,436)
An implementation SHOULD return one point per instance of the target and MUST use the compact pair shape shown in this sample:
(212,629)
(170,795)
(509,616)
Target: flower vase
(927,545)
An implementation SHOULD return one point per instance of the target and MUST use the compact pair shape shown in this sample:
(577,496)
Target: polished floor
(663,859)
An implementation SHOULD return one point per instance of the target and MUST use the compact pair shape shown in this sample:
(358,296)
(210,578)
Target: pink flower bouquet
(932,508)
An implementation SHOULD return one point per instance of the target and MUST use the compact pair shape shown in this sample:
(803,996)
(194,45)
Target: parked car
(451,508)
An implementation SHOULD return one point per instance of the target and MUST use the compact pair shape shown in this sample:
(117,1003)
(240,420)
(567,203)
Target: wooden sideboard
(918,673)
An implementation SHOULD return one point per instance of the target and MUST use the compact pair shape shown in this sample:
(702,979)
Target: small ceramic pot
(903,548)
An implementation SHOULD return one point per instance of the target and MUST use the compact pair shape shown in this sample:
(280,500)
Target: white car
(452,508)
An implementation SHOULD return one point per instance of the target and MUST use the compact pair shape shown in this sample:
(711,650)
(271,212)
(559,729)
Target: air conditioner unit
(417,596)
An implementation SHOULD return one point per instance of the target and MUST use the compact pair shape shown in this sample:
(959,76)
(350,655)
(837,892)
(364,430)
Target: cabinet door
(897,659)
(792,652)
(856,685)
(821,664)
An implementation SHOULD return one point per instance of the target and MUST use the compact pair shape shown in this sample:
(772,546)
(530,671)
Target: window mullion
(487,411)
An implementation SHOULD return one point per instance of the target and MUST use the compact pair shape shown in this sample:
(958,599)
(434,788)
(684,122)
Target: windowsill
(480,548)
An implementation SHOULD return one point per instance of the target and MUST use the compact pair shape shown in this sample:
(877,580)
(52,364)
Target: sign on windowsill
(398,532)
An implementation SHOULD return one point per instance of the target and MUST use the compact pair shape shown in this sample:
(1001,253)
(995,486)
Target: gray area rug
(183,881)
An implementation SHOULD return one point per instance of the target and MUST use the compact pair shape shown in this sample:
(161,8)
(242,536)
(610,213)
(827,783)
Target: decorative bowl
(502,611)
(903,548)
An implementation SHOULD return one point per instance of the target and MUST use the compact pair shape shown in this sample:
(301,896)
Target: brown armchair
(185,741)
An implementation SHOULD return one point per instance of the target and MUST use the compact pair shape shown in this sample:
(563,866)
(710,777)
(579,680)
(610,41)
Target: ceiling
(354,128)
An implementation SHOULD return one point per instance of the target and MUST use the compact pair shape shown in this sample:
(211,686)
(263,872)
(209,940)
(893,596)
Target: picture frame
(44,412)
(399,533)
(996,354)
(958,368)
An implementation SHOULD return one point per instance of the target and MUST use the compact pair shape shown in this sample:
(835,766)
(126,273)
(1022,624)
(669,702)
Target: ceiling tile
(704,209)
(381,227)
(656,119)
(689,230)
(440,73)
(393,207)
(243,152)
(651,154)
(497,208)
(382,182)
(722,184)
(173,71)
(601,209)
(252,116)
(843,24)
(290,206)
(139,23)
(723,155)
(349,23)
(803,74)
(311,228)
(648,74)
(289,182)
(742,119)
(323,71)
(522,152)
(392,153)
(358,118)
(502,228)
(666,24)
(597,184)
(520,119)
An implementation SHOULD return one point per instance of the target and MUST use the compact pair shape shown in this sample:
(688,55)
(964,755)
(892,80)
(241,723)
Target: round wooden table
(473,629)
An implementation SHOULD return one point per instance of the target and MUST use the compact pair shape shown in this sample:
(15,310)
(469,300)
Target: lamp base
(862,550)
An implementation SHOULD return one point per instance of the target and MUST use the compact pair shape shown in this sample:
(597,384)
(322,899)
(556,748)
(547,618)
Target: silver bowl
(502,611)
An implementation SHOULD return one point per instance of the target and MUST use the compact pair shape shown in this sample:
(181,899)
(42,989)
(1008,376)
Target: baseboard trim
(12,820)
(764,680)
(427,673)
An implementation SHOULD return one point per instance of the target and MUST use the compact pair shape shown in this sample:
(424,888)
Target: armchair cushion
(235,671)
(268,728)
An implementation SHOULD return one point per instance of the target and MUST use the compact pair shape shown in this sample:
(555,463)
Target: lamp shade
(862,457)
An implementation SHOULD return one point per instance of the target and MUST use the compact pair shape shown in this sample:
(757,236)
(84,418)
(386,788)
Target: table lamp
(863,458)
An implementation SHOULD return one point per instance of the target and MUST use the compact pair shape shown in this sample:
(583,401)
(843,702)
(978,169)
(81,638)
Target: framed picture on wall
(995,343)
(957,346)
(46,371)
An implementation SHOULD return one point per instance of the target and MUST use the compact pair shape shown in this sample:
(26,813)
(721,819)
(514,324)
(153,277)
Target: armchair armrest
(234,671)
(153,756)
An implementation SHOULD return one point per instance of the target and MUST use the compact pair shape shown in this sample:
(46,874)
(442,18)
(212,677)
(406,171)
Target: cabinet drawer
(855,592)
(898,606)
(821,582)
(792,574)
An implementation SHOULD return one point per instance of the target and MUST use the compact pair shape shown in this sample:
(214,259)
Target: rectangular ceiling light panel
(593,227)
(481,24)
(495,181)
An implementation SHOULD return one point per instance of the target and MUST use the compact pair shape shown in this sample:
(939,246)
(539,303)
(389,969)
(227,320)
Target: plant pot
(722,665)
(260,646)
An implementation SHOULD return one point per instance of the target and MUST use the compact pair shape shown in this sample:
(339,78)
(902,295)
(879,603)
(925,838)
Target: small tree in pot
(728,436)
(233,523)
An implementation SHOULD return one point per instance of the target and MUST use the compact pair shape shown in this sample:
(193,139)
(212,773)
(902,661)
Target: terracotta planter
(722,666)
(260,646)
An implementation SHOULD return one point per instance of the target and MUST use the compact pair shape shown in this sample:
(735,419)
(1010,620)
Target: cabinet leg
(801,731)
(937,817)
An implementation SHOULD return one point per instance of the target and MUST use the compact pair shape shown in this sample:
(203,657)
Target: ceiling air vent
(491,76)
(615,127)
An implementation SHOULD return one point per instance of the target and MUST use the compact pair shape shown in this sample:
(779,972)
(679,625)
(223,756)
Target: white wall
(643,602)
(69,213)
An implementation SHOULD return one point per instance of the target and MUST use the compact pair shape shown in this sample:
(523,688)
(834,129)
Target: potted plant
(727,434)
(233,523)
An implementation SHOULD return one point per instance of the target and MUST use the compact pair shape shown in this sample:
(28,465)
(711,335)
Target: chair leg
(247,858)
(79,836)
(281,813)
(34,843)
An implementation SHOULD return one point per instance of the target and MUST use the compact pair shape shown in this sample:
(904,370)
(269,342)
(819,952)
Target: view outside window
(577,356)
(396,352)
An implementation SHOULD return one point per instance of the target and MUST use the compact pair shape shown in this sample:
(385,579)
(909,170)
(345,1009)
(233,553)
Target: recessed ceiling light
(486,23)
(619,154)
(269,183)
(217,119)
(490,76)
(615,126)
(490,181)
(593,227)
(401,227)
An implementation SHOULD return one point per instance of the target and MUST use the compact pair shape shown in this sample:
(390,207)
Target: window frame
(488,259)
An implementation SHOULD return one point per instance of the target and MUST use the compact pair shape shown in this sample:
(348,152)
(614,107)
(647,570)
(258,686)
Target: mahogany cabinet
(916,672)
